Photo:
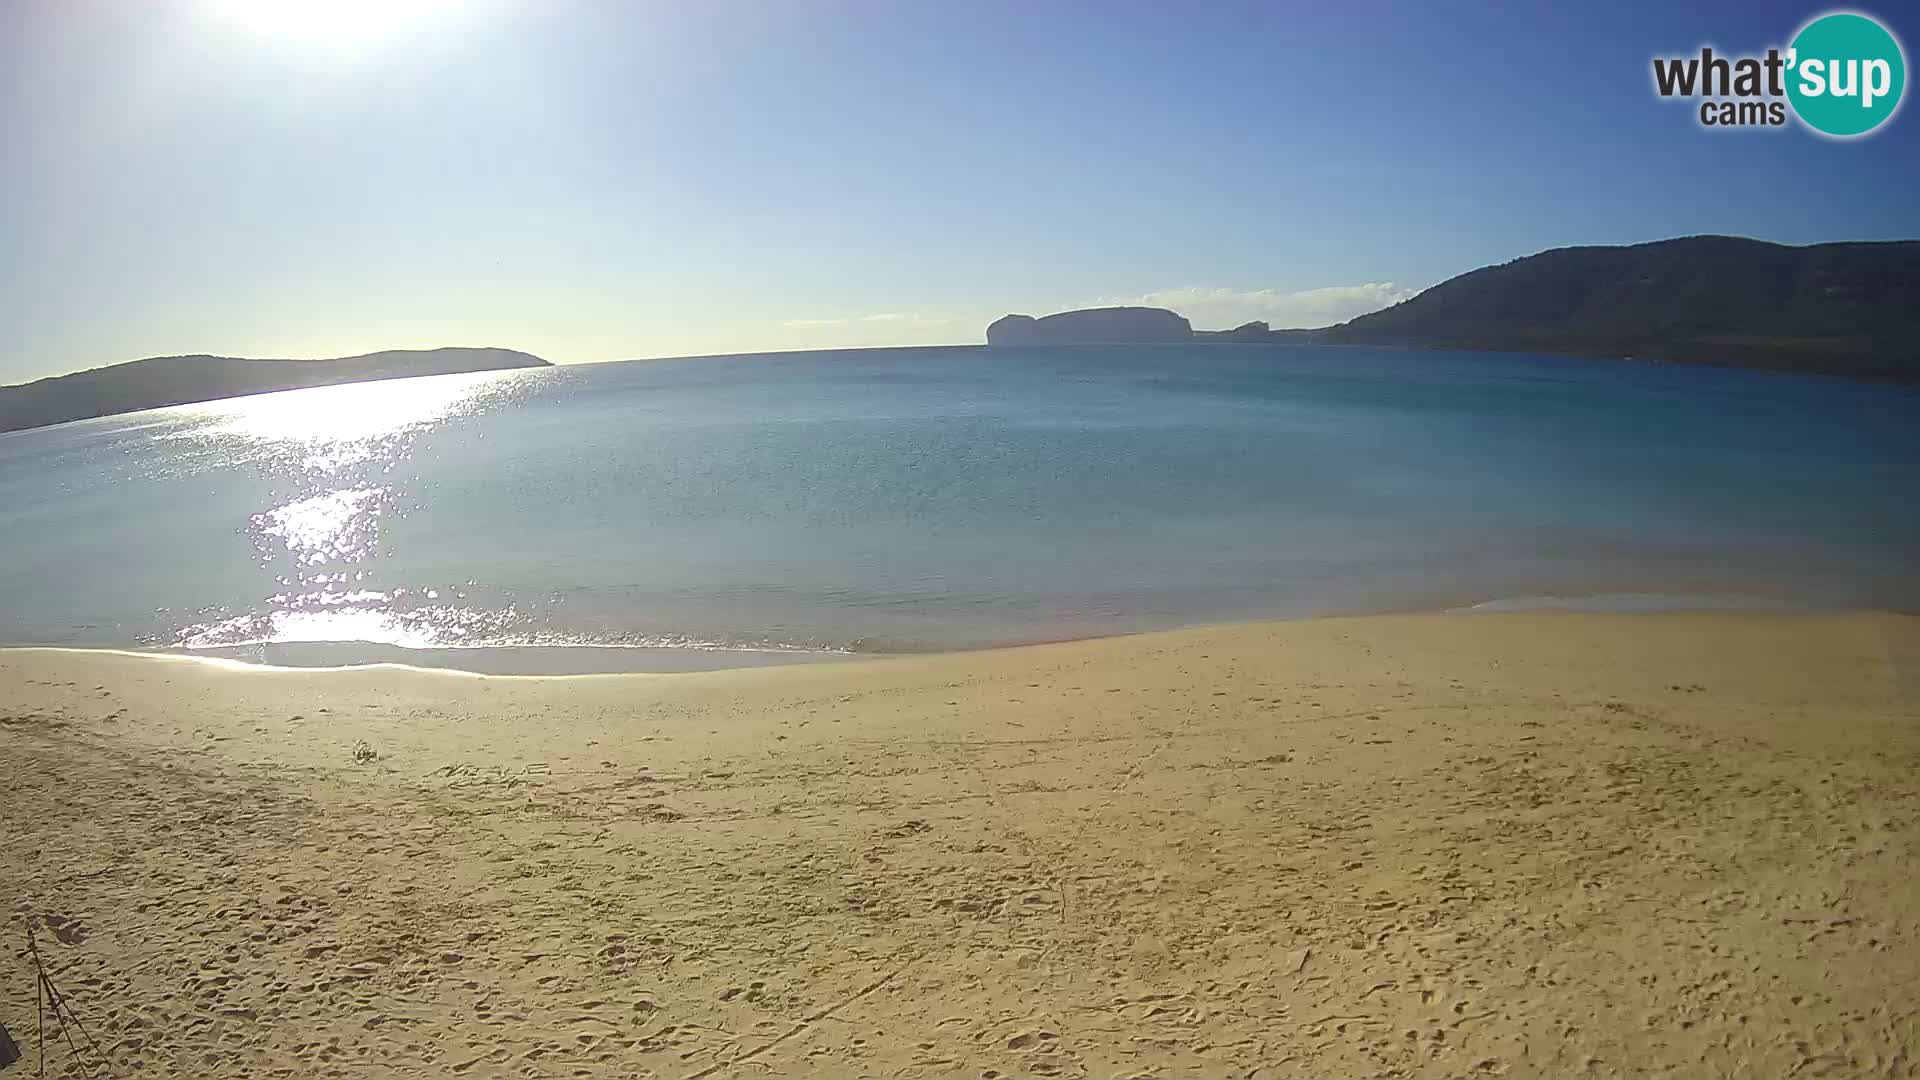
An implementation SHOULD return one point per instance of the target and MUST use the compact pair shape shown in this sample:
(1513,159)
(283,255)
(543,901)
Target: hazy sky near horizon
(595,179)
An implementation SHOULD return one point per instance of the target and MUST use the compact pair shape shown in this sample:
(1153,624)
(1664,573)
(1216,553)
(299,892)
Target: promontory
(180,380)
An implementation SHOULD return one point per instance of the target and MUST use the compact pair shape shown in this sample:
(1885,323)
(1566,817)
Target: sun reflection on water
(354,412)
(337,526)
(345,448)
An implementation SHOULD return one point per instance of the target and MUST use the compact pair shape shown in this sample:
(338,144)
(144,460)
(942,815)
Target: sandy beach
(1446,845)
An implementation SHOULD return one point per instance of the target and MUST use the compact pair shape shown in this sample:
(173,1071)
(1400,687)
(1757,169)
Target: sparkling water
(914,499)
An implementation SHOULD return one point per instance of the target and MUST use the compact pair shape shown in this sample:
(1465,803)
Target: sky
(603,179)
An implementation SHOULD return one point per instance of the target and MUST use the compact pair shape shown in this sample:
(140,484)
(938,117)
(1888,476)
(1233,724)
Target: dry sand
(1411,846)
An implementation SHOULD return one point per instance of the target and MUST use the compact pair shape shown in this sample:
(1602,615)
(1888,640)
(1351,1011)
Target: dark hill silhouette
(1840,309)
(181,380)
(1844,309)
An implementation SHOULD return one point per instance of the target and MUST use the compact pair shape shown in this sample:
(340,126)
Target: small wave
(200,641)
(550,659)
(347,619)
(1633,603)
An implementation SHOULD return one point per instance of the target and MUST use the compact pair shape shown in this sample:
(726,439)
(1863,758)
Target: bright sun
(332,20)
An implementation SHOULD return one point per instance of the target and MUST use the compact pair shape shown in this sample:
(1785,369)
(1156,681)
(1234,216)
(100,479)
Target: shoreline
(590,658)
(1421,845)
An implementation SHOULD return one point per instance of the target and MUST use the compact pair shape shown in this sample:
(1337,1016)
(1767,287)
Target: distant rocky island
(1842,309)
(1091,326)
(180,380)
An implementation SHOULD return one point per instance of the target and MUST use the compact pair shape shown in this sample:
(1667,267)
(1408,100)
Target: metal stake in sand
(39,998)
(45,994)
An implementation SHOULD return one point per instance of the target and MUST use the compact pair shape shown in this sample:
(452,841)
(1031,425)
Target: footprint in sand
(69,930)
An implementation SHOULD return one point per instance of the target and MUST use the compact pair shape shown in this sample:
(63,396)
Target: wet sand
(1446,845)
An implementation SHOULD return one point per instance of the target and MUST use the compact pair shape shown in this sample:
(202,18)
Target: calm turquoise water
(934,498)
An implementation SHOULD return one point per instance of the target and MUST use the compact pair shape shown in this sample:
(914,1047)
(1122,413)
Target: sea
(726,511)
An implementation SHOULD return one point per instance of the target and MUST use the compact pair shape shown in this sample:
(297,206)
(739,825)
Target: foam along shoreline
(1628,603)
(559,659)
(1426,845)
(513,659)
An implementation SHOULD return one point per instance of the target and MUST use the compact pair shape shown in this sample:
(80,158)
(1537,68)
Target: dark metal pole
(39,997)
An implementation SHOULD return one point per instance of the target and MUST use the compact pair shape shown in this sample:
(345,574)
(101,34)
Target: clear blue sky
(598,179)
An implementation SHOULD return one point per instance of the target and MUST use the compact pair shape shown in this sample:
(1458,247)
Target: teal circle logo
(1846,74)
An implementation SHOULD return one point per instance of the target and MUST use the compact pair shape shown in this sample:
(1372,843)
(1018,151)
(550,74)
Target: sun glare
(332,20)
